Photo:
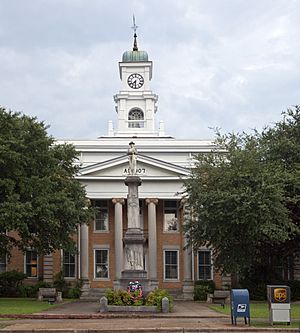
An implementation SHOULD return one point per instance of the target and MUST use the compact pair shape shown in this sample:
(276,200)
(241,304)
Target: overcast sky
(231,64)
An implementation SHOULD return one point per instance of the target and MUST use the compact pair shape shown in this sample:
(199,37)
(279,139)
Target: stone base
(85,288)
(134,275)
(188,290)
(141,308)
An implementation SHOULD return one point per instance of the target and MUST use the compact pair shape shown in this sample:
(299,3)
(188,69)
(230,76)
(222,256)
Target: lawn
(22,306)
(259,313)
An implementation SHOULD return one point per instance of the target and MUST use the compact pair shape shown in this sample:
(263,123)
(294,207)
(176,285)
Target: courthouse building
(162,163)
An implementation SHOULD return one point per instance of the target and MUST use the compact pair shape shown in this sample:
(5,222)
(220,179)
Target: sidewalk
(83,317)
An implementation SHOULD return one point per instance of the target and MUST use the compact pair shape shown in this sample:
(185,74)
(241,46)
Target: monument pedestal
(135,275)
(134,240)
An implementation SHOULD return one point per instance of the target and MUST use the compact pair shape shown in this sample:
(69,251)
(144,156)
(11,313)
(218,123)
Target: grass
(265,323)
(259,314)
(22,306)
(257,310)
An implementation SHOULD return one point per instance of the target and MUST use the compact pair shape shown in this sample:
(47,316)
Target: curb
(104,316)
(153,330)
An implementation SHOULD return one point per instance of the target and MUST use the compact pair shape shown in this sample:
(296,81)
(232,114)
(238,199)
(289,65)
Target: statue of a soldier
(132,156)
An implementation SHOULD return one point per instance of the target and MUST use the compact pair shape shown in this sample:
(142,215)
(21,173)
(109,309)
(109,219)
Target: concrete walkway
(187,317)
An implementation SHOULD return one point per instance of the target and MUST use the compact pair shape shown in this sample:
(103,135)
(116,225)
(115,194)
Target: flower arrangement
(135,290)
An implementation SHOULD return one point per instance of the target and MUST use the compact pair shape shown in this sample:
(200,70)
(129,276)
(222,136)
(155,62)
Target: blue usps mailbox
(240,305)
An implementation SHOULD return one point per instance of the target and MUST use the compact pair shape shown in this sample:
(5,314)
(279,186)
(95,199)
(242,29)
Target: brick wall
(172,240)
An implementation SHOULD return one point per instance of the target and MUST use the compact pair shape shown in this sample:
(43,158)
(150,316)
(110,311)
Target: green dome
(132,56)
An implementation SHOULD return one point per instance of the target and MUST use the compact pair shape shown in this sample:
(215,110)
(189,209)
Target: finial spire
(134,27)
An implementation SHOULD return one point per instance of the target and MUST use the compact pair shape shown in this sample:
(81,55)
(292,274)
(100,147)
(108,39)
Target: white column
(188,287)
(187,261)
(118,202)
(152,238)
(84,252)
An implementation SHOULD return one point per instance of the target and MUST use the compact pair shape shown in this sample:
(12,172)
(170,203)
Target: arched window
(136,118)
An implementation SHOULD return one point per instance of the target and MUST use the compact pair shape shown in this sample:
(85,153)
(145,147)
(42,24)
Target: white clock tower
(136,103)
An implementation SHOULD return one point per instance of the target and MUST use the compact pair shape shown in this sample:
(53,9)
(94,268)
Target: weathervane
(134,27)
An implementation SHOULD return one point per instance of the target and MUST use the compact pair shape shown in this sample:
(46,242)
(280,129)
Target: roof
(135,56)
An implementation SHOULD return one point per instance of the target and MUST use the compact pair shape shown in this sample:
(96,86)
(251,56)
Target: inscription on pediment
(138,171)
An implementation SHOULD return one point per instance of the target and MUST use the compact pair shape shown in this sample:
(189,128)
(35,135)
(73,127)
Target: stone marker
(59,297)
(103,304)
(165,305)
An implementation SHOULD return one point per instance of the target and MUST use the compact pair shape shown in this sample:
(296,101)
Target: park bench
(219,296)
(51,294)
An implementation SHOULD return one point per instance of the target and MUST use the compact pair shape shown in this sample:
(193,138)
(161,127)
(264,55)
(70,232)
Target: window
(170,215)
(69,264)
(204,265)
(171,265)
(31,263)
(3,264)
(136,118)
(101,218)
(101,264)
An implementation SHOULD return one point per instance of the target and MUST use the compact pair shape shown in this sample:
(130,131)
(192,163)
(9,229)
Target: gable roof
(149,168)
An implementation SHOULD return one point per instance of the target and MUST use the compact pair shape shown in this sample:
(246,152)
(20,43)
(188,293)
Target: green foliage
(282,144)
(68,289)
(256,281)
(61,284)
(75,291)
(118,297)
(155,297)
(10,282)
(11,285)
(202,288)
(258,278)
(31,290)
(295,289)
(257,291)
(39,196)
(245,197)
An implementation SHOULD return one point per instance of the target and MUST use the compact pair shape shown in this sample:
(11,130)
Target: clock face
(135,81)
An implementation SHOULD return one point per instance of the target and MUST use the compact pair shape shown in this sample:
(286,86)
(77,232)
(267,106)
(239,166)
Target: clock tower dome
(135,102)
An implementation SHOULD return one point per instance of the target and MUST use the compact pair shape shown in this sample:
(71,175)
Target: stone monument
(134,238)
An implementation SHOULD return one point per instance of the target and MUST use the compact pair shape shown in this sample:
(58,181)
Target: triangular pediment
(146,167)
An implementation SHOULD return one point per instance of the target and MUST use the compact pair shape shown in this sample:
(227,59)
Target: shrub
(257,289)
(75,291)
(31,290)
(202,288)
(155,297)
(295,289)
(61,284)
(258,292)
(118,297)
(9,282)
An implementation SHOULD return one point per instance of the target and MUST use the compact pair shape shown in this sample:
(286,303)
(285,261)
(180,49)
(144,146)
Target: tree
(282,146)
(238,195)
(41,203)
